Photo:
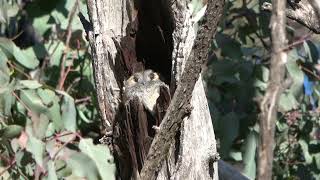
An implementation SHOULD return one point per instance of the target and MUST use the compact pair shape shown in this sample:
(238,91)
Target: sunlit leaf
(51,171)
(30,84)
(68,112)
(36,147)
(25,57)
(10,131)
(249,160)
(83,167)
(101,156)
(287,102)
(33,101)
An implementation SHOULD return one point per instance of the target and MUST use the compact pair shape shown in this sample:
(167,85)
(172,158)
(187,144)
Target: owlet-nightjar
(145,86)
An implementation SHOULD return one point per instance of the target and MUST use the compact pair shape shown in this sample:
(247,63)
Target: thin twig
(23,104)
(63,72)
(18,70)
(86,99)
(16,36)
(8,167)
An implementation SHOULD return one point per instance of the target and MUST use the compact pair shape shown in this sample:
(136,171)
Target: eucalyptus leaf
(30,84)
(83,167)
(287,102)
(228,130)
(37,148)
(4,70)
(51,171)
(305,150)
(33,101)
(68,112)
(10,131)
(25,57)
(6,98)
(250,148)
(102,157)
(51,100)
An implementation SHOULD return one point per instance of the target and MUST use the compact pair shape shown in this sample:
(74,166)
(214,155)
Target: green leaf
(305,150)
(287,102)
(62,169)
(69,112)
(50,99)
(10,131)
(30,84)
(33,101)
(36,147)
(101,156)
(250,148)
(311,50)
(83,116)
(4,70)
(235,155)
(6,98)
(40,125)
(229,47)
(41,24)
(51,171)
(23,158)
(260,84)
(317,160)
(296,74)
(56,49)
(26,58)
(83,167)
(228,131)
(265,74)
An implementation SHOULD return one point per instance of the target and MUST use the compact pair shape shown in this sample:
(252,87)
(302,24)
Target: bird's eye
(152,76)
(135,79)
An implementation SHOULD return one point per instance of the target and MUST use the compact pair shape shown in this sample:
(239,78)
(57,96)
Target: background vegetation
(237,78)
(49,123)
(48,118)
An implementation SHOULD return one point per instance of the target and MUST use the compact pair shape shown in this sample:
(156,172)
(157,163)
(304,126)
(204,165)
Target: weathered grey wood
(109,20)
(180,107)
(303,14)
(197,144)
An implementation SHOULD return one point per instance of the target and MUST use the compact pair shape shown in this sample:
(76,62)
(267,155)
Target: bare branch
(303,14)
(316,7)
(268,105)
(180,104)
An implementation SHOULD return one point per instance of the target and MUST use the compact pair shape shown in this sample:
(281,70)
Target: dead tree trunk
(112,45)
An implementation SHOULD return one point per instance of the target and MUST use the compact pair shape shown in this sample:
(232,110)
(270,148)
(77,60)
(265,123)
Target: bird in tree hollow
(146,99)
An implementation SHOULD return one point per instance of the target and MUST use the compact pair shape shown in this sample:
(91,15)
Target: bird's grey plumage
(146,99)
(146,86)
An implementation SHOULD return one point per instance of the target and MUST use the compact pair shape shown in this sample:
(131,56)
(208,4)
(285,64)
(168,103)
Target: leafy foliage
(237,78)
(47,116)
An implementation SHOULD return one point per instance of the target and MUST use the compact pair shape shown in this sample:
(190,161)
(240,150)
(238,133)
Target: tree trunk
(112,47)
(269,104)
